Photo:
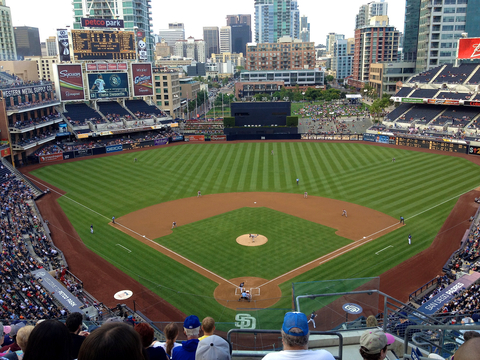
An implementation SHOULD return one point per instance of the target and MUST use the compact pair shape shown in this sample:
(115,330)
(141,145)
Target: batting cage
(334,304)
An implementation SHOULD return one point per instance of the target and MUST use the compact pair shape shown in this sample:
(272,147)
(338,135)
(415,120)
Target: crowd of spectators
(113,117)
(82,122)
(21,296)
(330,110)
(20,124)
(49,150)
(33,139)
(28,104)
(203,127)
(142,115)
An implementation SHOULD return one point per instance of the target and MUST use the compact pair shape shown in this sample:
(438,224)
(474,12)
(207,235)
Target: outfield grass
(419,186)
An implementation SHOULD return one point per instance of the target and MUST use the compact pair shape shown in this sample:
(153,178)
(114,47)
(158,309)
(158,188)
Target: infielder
(344,213)
(199,193)
(312,319)
(305,195)
(174,224)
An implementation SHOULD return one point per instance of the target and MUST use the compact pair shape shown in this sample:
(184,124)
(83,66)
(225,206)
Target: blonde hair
(22,336)
(372,321)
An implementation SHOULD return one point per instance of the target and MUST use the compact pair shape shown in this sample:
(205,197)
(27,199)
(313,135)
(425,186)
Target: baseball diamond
(188,266)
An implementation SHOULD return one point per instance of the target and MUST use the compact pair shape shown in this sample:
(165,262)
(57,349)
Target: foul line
(136,233)
(383,249)
(124,248)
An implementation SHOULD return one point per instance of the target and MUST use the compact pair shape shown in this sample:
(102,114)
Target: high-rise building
(441,24)
(286,54)
(210,36)
(373,44)
(276,18)
(137,16)
(225,39)
(367,11)
(239,19)
(175,32)
(342,61)
(304,29)
(7,38)
(191,48)
(241,35)
(330,41)
(52,46)
(27,41)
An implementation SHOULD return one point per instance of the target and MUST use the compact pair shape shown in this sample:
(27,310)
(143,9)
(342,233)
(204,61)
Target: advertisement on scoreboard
(70,82)
(469,48)
(108,85)
(142,79)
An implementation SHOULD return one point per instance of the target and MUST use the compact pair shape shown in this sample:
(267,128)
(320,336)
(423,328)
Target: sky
(324,16)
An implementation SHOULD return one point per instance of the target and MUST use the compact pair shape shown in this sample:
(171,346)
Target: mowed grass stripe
(245,168)
(312,184)
(256,167)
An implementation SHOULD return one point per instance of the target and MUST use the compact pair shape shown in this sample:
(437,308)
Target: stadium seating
(453,95)
(113,110)
(454,75)
(79,114)
(424,93)
(425,113)
(426,76)
(457,116)
(140,106)
(403,92)
(392,116)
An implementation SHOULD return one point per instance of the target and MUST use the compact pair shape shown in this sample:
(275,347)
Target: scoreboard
(433,145)
(103,45)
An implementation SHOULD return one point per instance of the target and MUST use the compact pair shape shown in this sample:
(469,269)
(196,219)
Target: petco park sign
(102,23)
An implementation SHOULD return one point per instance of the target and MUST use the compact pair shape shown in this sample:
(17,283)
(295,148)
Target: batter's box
(255,291)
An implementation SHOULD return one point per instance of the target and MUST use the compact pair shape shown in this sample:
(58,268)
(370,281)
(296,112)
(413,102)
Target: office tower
(175,32)
(137,16)
(7,38)
(225,39)
(276,18)
(304,29)
(52,46)
(240,19)
(210,36)
(367,11)
(342,61)
(27,41)
(191,48)
(330,41)
(241,35)
(441,24)
(373,44)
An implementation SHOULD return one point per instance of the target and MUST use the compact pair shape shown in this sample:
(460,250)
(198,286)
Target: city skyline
(323,18)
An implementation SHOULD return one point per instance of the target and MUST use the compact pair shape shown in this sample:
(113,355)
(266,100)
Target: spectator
(74,325)
(213,347)
(146,335)
(372,321)
(171,334)
(113,341)
(13,333)
(470,350)
(22,339)
(49,340)
(191,328)
(295,334)
(470,335)
(208,327)
(374,343)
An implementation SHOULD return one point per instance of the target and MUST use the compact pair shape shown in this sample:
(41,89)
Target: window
(167,103)
(461,19)
(445,53)
(449,10)
(461,10)
(450,2)
(449,19)
(446,45)
(462,2)
(165,83)
(447,36)
(460,27)
(447,28)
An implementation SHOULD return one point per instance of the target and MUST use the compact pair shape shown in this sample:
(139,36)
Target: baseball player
(91,229)
(393,160)
(312,318)
(199,193)
(297,181)
(242,284)
(305,195)
(174,224)
(113,219)
(272,152)
(409,239)
(344,213)
(402,220)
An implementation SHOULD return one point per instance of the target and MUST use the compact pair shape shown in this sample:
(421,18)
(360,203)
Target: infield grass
(421,187)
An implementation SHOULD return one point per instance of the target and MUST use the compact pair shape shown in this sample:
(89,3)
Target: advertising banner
(63,45)
(177,138)
(108,85)
(195,138)
(384,139)
(82,153)
(52,157)
(218,138)
(469,48)
(443,102)
(413,100)
(114,148)
(5,152)
(26,90)
(109,66)
(474,150)
(370,137)
(102,23)
(68,155)
(142,79)
(160,142)
(70,82)
(471,103)
(141,45)
(443,297)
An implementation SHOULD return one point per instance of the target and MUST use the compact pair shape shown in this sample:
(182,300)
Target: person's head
(373,344)
(74,322)
(470,334)
(295,331)
(171,333)
(112,341)
(191,327)
(146,334)
(372,321)
(22,336)
(213,348)
(208,325)
(470,350)
(48,332)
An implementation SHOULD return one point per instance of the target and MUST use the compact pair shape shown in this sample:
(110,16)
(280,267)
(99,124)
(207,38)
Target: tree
(224,81)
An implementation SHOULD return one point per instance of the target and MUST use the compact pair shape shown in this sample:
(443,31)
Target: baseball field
(198,265)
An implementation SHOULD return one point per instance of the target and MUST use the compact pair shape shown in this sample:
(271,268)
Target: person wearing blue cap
(295,334)
(191,329)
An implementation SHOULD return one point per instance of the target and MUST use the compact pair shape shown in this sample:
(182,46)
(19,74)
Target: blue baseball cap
(295,320)
(191,322)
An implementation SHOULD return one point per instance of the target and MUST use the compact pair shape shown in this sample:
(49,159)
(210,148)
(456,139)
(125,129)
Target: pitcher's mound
(247,240)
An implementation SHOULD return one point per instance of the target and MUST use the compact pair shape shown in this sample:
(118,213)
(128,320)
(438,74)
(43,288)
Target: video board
(103,45)
(108,85)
